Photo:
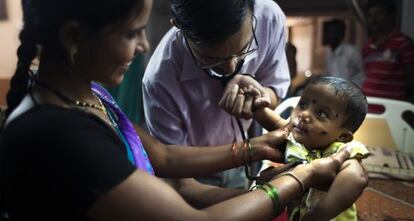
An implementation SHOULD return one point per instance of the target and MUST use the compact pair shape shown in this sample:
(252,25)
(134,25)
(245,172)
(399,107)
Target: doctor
(192,83)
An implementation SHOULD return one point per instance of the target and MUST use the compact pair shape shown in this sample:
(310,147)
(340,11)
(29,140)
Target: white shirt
(181,101)
(345,62)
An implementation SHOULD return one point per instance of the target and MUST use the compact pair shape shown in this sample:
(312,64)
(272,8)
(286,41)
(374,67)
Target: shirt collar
(296,151)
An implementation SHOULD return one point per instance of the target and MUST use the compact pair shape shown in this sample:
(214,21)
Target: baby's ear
(346,137)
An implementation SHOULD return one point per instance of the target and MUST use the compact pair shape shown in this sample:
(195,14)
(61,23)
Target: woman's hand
(320,173)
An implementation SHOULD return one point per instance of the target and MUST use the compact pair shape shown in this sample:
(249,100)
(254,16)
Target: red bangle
(234,154)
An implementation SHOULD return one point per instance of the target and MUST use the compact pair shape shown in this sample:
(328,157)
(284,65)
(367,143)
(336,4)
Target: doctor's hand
(242,94)
(271,144)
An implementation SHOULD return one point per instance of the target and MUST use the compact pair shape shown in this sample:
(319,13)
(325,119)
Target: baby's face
(317,119)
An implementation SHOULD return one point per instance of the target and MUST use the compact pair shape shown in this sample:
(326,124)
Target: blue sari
(133,145)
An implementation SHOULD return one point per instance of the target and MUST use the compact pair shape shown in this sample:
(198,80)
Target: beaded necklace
(68,100)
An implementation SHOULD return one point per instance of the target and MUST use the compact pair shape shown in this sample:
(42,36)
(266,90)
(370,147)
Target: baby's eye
(302,105)
(322,114)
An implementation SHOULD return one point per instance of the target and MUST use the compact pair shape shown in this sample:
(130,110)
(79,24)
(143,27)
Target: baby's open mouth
(299,126)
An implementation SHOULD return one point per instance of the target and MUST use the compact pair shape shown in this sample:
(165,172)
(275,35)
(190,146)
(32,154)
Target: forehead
(325,96)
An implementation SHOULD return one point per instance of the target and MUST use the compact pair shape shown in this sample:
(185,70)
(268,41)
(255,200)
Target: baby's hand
(288,127)
(239,98)
(258,100)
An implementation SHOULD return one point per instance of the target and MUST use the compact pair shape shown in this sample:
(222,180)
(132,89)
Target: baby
(329,112)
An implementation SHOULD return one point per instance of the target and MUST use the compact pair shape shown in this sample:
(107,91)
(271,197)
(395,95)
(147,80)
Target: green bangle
(273,194)
(249,148)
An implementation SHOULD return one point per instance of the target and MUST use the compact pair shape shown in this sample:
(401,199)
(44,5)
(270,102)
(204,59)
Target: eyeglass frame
(240,56)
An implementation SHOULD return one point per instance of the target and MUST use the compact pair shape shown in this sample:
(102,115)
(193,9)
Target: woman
(80,158)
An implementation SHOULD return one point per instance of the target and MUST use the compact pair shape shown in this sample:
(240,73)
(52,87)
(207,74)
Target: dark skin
(325,107)
(333,36)
(381,23)
(142,196)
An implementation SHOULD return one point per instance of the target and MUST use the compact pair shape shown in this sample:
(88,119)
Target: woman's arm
(344,191)
(201,195)
(145,197)
(172,161)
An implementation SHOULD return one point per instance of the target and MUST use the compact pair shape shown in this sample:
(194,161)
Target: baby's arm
(344,191)
(269,119)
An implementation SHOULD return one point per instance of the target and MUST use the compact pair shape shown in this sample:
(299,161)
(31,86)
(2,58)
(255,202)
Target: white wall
(302,38)
(9,32)
(407,25)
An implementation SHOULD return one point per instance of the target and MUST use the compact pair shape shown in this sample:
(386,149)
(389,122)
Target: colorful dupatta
(137,154)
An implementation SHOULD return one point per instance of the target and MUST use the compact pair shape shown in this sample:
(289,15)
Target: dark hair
(338,24)
(42,20)
(208,22)
(290,48)
(389,5)
(356,102)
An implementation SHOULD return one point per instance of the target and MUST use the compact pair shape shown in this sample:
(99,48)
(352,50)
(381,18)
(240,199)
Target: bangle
(272,193)
(234,154)
(291,174)
(248,149)
(247,146)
